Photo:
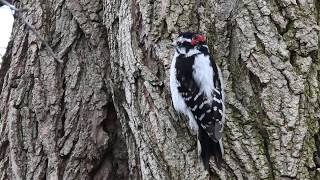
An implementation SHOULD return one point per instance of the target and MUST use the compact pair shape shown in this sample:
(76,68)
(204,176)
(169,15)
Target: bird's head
(188,41)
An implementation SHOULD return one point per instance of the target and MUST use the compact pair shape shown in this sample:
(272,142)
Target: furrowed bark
(106,113)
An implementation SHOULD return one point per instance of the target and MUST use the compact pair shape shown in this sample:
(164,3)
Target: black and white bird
(197,91)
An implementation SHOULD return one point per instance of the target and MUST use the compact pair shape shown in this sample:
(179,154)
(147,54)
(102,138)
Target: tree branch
(18,10)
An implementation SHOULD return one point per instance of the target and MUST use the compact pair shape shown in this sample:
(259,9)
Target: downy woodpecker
(197,91)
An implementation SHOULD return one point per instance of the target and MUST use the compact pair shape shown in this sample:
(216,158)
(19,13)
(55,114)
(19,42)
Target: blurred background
(6,21)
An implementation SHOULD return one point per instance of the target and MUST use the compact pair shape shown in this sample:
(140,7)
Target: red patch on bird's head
(198,39)
(201,38)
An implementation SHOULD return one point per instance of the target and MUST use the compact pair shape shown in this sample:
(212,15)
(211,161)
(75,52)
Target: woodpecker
(196,87)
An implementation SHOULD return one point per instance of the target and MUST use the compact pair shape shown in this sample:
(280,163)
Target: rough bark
(105,113)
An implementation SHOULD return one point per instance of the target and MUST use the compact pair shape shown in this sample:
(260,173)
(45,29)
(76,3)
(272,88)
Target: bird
(196,86)
(5,2)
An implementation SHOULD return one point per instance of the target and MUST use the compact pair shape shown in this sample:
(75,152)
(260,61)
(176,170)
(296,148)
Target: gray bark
(106,113)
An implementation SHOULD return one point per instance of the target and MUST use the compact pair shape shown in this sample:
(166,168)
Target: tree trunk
(106,113)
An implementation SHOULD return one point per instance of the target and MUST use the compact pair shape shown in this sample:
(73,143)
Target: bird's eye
(179,43)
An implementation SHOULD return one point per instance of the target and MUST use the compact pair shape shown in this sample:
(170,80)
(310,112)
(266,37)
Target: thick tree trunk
(105,113)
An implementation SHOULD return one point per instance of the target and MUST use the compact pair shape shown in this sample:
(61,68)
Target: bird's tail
(210,148)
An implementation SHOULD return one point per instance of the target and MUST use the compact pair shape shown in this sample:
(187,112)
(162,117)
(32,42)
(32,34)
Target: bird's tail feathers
(210,148)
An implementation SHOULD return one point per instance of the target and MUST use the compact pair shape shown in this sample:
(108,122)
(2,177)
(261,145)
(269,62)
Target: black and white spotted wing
(207,112)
